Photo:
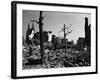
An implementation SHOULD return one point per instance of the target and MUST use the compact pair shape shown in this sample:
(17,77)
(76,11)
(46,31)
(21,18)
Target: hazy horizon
(54,21)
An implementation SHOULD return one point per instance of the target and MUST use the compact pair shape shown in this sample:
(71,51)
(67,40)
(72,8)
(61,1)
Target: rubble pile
(53,58)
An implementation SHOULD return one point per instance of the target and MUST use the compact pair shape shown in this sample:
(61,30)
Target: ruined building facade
(87,33)
(85,41)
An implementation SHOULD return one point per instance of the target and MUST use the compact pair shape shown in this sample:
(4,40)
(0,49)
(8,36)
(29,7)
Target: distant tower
(87,32)
(27,35)
(27,32)
(86,28)
(33,26)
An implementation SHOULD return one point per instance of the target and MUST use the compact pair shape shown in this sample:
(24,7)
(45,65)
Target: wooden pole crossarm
(35,21)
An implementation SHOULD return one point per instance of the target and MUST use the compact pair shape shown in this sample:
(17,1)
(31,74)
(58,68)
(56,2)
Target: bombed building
(87,33)
(85,41)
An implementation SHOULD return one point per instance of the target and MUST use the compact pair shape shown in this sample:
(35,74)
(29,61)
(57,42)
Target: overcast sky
(54,21)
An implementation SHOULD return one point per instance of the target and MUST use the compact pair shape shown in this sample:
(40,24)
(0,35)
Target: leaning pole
(41,36)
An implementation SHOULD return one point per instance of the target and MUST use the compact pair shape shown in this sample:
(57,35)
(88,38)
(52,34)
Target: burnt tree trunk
(41,36)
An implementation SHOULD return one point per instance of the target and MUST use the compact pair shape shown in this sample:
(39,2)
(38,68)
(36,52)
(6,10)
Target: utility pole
(41,34)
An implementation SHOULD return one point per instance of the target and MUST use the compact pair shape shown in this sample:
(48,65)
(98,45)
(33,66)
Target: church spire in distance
(33,26)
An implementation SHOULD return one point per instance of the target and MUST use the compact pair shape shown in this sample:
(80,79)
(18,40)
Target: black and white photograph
(53,39)
(65,36)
